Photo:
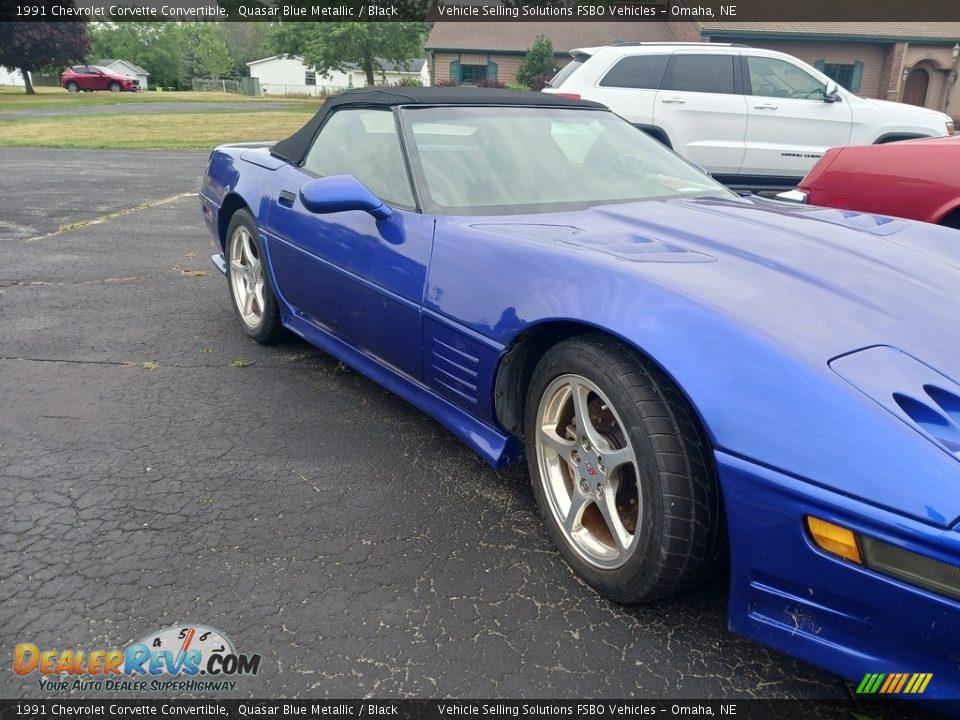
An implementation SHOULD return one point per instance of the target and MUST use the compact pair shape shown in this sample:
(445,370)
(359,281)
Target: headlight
(882,557)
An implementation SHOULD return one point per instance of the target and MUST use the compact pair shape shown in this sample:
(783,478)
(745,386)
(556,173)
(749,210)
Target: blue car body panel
(768,316)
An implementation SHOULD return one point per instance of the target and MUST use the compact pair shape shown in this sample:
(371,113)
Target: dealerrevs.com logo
(182,658)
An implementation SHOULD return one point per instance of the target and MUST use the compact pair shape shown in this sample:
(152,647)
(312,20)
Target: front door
(356,277)
(97,80)
(789,125)
(915,88)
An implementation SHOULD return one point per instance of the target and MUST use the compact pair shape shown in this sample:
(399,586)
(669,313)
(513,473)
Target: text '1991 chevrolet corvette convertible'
(694,377)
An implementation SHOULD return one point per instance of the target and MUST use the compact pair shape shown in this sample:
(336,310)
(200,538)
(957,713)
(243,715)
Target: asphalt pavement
(309,514)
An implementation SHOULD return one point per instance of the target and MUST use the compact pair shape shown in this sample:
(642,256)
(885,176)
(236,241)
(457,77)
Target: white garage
(288,75)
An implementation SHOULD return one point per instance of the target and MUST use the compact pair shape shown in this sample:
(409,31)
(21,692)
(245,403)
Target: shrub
(539,64)
(539,82)
(491,84)
(445,83)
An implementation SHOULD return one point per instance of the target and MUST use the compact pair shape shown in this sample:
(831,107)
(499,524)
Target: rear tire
(249,281)
(621,471)
(73,87)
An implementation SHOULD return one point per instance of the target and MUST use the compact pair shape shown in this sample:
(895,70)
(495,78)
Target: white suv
(753,118)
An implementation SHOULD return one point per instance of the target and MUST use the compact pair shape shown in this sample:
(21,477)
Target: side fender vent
(933,418)
(910,389)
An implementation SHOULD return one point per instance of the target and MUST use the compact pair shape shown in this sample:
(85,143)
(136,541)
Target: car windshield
(509,160)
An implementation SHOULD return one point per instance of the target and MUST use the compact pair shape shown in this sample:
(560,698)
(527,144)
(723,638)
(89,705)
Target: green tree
(246,41)
(205,54)
(213,56)
(156,47)
(539,64)
(35,46)
(334,46)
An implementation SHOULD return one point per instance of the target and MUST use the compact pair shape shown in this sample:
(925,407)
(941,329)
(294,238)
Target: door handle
(672,101)
(287,198)
(766,106)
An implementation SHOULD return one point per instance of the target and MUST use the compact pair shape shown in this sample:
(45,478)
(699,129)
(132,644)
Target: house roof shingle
(945,31)
(519,36)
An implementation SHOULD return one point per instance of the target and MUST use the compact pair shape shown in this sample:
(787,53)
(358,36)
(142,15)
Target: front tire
(621,471)
(114,87)
(253,299)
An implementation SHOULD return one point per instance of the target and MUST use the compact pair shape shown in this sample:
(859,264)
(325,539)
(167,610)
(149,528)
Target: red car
(916,179)
(94,77)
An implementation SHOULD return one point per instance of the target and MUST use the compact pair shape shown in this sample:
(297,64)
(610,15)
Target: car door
(96,79)
(85,77)
(359,278)
(629,87)
(789,125)
(701,107)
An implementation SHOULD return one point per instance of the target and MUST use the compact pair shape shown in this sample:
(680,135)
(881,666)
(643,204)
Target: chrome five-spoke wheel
(589,470)
(246,276)
(622,470)
(249,281)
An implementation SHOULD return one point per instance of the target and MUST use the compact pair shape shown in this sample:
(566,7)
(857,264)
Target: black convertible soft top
(295,147)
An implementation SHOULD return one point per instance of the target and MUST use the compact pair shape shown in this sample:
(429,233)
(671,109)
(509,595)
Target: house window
(847,75)
(842,74)
(471,74)
(310,78)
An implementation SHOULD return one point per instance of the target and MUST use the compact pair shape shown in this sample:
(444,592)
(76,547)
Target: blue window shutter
(857,76)
(820,65)
(491,70)
(455,71)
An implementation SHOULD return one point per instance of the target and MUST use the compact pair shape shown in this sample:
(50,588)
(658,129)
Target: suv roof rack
(621,43)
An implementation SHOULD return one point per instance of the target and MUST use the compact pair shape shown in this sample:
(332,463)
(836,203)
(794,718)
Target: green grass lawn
(13,98)
(173,131)
(189,129)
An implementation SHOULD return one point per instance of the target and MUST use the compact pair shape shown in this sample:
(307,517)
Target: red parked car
(94,77)
(916,179)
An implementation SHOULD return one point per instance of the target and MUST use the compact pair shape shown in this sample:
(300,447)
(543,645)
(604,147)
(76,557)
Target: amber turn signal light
(834,539)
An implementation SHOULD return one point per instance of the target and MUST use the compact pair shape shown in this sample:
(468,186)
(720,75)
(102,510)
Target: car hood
(904,109)
(820,282)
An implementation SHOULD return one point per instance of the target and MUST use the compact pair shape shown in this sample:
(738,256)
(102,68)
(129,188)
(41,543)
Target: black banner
(486,709)
(941,12)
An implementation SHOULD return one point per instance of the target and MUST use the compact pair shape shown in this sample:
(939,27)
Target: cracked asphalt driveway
(312,516)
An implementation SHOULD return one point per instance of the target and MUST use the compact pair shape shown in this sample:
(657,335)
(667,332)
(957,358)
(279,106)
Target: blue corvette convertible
(695,378)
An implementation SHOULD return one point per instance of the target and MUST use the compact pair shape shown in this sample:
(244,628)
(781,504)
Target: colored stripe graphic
(870,683)
(891,682)
(894,683)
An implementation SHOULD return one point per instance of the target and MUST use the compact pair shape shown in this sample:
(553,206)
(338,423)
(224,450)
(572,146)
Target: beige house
(915,63)
(469,52)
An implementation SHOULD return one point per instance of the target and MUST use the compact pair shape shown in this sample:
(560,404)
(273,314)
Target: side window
(770,77)
(637,71)
(365,144)
(701,73)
